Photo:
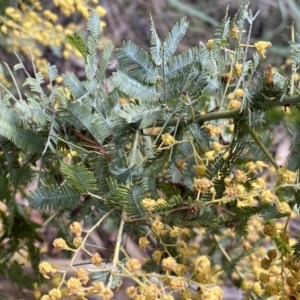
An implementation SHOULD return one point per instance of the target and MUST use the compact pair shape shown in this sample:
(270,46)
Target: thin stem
(71,144)
(293,73)
(117,250)
(261,145)
(134,147)
(14,80)
(82,246)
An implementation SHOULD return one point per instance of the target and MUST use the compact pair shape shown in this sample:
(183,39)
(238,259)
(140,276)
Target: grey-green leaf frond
(93,24)
(79,177)
(139,62)
(78,43)
(54,197)
(155,49)
(147,114)
(173,39)
(133,88)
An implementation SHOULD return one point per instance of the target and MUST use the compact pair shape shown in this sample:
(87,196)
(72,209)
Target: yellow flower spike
(202,264)
(96,259)
(286,176)
(261,47)
(60,244)
(168,139)
(76,229)
(200,170)
(131,292)
(45,268)
(169,264)
(267,196)
(239,93)
(97,287)
(202,185)
(4,29)
(150,291)
(74,285)
(143,243)
(234,32)
(177,285)
(180,269)
(175,231)
(283,207)
(156,256)
(101,11)
(231,96)
(9,11)
(133,265)
(82,275)
(55,294)
(106,294)
(271,289)
(209,44)
(59,28)
(269,229)
(77,241)
(157,226)
(238,69)
(264,277)
(149,204)
(234,104)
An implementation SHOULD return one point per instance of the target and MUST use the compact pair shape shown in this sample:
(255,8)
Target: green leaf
(93,24)
(54,197)
(79,177)
(129,198)
(146,114)
(24,139)
(74,85)
(133,88)
(181,64)
(220,36)
(78,43)
(52,72)
(173,39)
(105,60)
(139,61)
(155,49)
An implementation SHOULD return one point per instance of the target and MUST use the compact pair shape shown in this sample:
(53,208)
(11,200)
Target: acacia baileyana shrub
(172,153)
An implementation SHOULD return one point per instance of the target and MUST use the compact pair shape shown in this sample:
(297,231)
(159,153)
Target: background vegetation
(39,29)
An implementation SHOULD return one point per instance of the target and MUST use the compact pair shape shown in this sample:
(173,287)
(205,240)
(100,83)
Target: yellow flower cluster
(234,32)
(54,294)
(28,27)
(133,265)
(202,185)
(143,243)
(233,97)
(168,139)
(146,292)
(286,176)
(261,47)
(150,204)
